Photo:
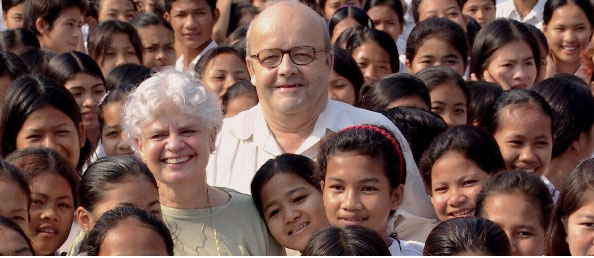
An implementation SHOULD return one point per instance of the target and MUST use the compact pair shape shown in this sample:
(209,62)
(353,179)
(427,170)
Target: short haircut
(8,4)
(440,28)
(415,8)
(467,236)
(437,75)
(392,88)
(482,97)
(119,215)
(346,241)
(11,39)
(474,143)
(418,126)
(172,87)
(48,10)
(147,19)
(36,59)
(100,39)
(362,35)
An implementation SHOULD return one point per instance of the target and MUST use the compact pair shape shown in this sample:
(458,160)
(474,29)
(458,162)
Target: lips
(352,220)
(47,230)
(461,213)
(90,115)
(289,86)
(176,160)
(300,228)
(570,50)
(527,169)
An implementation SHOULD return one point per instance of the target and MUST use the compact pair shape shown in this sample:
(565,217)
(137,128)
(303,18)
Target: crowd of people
(286,127)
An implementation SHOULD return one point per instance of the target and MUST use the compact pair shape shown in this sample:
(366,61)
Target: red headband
(385,134)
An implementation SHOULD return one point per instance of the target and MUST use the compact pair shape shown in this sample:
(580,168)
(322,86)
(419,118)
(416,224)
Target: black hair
(344,36)
(396,5)
(27,94)
(474,143)
(472,28)
(96,6)
(200,67)
(106,172)
(168,4)
(12,174)
(517,182)
(415,8)
(237,9)
(467,236)
(36,161)
(466,1)
(515,97)
(572,104)
(362,35)
(36,59)
(48,10)
(7,4)
(539,36)
(375,142)
(11,65)
(353,12)
(100,39)
(287,163)
(437,75)
(66,65)
(495,35)
(577,191)
(482,96)
(392,88)
(10,225)
(418,126)
(440,28)
(552,5)
(346,66)
(11,40)
(240,88)
(146,19)
(346,241)
(112,218)
(235,36)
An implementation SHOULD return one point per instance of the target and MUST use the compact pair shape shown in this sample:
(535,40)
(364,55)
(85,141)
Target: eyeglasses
(302,55)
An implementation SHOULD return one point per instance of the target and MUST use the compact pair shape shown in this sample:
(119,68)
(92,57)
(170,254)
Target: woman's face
(580,236)
(13,17)
(120,51)
(455,182)
(13,243)
(483,11)
(50,128)
(525,138)
(385,19)
(116,10)
(87,90)
(112,135)
(15,205)
(52,211)
(512,66)
(436,52)
(176,146)
(341,89)
(373,61)
(293,210)
(568,33)
(222,72)
(342,25)
(449,102)
(522,221)
(133,191)
(158,45)
(240,103)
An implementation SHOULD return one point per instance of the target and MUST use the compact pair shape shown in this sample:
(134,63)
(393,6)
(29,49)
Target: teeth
(462,213)
(299,229)
(177,160)
(47,230)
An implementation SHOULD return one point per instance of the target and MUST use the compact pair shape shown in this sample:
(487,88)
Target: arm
(219,31)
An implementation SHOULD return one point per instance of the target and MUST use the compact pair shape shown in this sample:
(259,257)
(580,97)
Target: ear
(215,15)
(248,61)
(408,64)
(580,145)
(544,28)
(331,60)
(487,76)
(167,17)
(42,26)
(91,21)
(85,219)
(82,136)
(139,146)
(213,139)
(396,197)
(322,186)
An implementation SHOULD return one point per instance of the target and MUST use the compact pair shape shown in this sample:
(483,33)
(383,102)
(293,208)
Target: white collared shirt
(179,64)
(246,143)
(405,248)
(507,9)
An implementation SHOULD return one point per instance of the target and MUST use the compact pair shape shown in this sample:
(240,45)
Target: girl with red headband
(362,173)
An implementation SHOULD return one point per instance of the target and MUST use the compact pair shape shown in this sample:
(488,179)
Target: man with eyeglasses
(290,61)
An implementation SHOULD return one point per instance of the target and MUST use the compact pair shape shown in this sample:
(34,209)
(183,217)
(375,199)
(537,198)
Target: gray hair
(320,19)
(169,87)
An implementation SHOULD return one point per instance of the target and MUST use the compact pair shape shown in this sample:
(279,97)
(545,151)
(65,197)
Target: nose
(122,145)
(370,74)
(290,214)
(229,81)
(527,155)
(89,101)
(287,68)
(480,15)
(380,26)
(160,55)
(174,143)
(50,143)
(48,213)
(351,201)
(521,73)
(514,245)
(456,197)
(190,22)
(448,119)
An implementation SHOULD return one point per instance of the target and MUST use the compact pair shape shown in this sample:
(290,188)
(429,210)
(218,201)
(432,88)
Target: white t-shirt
(405,248)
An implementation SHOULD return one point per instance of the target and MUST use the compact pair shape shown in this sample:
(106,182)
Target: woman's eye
(336,187)
(18,218)
(469,182)
(299,198)
(440,189)
(369,189)
(273,213)
(460,111)
(64,205)
(524,234)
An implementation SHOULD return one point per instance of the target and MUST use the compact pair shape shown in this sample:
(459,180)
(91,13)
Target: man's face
(289,88)
(192,22)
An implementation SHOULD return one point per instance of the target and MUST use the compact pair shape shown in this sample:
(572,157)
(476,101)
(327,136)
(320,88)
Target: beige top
(238,227)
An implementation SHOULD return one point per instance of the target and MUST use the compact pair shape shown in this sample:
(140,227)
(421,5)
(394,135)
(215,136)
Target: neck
(189,53)
(565,67)
(93,136)
(524,6)
(559,168)
(187,195)
(290,131)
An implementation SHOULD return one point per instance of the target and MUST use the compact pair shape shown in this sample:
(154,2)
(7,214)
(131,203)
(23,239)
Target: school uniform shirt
(179,64)
(552,189)
(408,26)
(507,9)
(245,143)
(405,248)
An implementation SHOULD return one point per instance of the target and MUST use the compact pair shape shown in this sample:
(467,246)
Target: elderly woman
(173,122)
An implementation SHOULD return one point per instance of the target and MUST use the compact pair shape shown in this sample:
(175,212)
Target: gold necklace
(209,207)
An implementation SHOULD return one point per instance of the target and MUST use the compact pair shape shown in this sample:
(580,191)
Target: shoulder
(406,248)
